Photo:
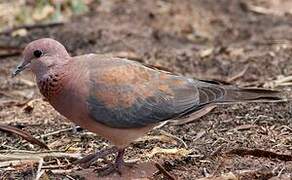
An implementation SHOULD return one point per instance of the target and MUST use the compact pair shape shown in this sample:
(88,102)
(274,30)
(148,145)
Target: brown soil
(204,39)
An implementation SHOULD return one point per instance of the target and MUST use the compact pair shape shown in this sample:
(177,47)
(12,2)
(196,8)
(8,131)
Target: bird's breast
(66,92)
(50,85)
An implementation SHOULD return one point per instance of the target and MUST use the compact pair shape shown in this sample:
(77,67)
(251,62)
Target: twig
(23,134)
(40,172)
(69,177)
(55,166)
(164,171)
(237,75)
(58,131)
(260,153)
(217,150)
(23,151)
(30,26)
(61,171)
(283,81)
(12,163)
(37,155)
(175,137)
(161,125)
(281,171)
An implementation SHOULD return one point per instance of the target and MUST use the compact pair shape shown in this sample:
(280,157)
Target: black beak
(19,68)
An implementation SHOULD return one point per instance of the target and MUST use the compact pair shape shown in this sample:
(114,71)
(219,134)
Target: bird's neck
(52,83)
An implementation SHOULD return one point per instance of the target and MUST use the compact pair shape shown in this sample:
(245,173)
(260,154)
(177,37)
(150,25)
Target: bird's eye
(37,53)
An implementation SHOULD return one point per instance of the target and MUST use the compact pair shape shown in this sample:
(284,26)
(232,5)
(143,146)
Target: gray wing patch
(142,113)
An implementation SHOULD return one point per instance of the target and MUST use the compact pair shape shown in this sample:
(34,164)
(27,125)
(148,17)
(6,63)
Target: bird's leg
(116,166)
(110,167)
(87,160)
(120,160)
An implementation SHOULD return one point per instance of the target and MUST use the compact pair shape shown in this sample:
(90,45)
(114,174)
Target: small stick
(164,171)
(58,131)
(40,172)
(37,156)
(25,135)
(61,171)
(175,137)
(12,163)
(238,75)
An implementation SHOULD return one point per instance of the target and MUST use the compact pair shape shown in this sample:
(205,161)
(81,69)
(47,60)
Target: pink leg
(116,166)
(111,167)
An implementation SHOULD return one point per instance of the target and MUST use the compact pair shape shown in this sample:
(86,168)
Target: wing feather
(126,94)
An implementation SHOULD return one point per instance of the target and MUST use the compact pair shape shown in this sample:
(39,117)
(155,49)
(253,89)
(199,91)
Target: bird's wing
(126,94)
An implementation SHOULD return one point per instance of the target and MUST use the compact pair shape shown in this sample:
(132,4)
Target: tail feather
(234,94)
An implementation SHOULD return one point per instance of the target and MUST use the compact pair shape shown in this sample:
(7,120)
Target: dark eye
(37,53)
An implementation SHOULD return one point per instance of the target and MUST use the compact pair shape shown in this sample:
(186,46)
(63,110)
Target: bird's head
(41,55)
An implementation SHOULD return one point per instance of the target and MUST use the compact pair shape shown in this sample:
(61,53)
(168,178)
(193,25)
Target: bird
(121,99)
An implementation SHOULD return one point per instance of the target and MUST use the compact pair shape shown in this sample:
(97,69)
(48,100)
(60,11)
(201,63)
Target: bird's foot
(115,167)
(108,169)
(89,159)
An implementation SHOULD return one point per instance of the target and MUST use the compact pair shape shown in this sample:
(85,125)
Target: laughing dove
(117,98)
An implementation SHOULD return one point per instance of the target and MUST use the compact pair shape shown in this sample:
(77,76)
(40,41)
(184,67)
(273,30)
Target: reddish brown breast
(50,85)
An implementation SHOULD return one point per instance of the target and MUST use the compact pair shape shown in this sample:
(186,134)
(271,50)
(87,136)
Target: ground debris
(226,176)
(280,81)
(163,171)
(260,153)
(174,151)
(23,134)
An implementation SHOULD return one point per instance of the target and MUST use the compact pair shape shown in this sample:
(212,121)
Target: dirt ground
(247,43)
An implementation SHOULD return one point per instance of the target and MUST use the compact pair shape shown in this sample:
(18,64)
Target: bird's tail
(235,94)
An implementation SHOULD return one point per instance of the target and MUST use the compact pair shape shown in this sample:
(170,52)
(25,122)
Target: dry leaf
(280,81)
(16,163)
(175,151)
